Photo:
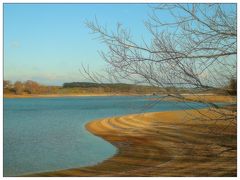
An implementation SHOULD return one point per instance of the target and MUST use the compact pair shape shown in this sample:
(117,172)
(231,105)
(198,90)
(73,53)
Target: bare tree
(6,84)
(195,48)
(18,87)
(32,87)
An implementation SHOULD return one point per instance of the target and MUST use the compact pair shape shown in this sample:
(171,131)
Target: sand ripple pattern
(179,143)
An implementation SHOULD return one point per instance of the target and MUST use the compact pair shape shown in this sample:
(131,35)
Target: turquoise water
(47,134)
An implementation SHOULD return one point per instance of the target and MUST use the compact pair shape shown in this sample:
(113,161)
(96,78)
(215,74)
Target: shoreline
(13,96)
(163,144)
(209,98)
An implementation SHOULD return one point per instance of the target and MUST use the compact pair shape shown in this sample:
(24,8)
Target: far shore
(64,95)
(208,97)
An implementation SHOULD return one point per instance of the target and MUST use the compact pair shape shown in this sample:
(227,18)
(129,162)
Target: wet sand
(174,143)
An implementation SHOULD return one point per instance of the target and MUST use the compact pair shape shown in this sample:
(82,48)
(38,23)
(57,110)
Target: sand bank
(210,98)
(176,143)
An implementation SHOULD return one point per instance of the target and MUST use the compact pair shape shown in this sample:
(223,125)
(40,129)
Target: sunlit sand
(174,143)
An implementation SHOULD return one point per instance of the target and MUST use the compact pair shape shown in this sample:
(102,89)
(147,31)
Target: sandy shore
(210,98)
(62,95)
(176,143)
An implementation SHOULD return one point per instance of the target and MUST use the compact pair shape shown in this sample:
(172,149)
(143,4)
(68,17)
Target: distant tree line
(27,87)
(232,87)
(32,87)
(95,85)
(80,84)
(110,87)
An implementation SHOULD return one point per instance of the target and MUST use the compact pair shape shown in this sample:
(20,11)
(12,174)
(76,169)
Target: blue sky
(49,42)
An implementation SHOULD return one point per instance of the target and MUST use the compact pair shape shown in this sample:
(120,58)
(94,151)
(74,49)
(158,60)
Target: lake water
(46,134)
